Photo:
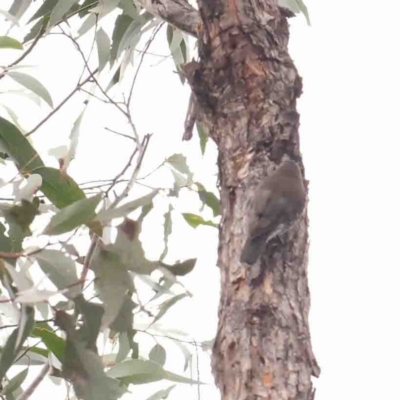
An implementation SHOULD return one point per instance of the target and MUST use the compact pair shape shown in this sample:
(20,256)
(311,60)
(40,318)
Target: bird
(278,202)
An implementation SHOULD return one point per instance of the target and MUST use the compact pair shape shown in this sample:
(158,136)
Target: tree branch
(176,12)
(33,386)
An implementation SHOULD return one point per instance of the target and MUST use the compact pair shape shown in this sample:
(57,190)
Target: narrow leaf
(15,382)
(103,48)
(7,42)
(52,342)
(158,354)
(124,210)
(32,84)
(17,146)
(60,269)
(61,8)
(203,136)
(168,304)
(195,220)
(121,25)
(59,188)
(72,216)
(45,9)
(209,199)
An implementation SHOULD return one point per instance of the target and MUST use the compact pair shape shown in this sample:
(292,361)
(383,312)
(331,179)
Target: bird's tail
(252,250)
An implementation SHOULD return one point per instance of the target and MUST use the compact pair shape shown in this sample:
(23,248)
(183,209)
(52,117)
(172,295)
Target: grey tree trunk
(246,87)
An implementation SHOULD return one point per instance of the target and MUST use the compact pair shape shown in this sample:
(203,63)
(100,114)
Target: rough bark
(246,87)
(177,12)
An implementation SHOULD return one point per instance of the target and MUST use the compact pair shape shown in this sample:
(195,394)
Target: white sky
(350,63)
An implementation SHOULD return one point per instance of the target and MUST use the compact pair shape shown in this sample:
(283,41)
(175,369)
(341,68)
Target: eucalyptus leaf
(164,307)
(195,220)
(203,136)
(7,42)
(158,354)
(15,382)
(112,283)
(103,48)
(144,371)
(32,84)
(59,10)
(61,271)
(124,210)
(73,216)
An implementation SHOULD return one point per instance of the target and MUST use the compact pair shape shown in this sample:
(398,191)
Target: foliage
(92,294)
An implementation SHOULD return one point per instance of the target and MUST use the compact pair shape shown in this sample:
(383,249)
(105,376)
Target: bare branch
(77,88)
(33,386)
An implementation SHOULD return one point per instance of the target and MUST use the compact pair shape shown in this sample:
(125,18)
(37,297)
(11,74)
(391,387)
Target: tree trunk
(246,87)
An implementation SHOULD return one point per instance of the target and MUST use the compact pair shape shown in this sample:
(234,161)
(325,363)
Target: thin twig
(119,133)
(128,164)
(88,258)
(14,256)
(28,50)
(77,88)
(33,386)
(142,150)
(149,42)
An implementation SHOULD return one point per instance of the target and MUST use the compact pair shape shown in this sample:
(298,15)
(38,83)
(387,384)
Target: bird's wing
(267,218)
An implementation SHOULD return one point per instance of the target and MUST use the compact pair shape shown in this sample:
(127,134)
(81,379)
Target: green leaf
(195,220)
(161,394)
(103,48)
(178,161)
(61,8)
(53,343)
(19,7)
(164,307)
(167,231)
(129,249)
(133,33)
(15,382)
(124,347)
(123,322)
(158,354)
(124,210)
(32,84)
(188,356)
(43,22)
(61,271)
(208,198)
(296,6)
(112,283)
(16,340)
(45,9)
(59,188)
(115,79)
(203,136)
(121,25)
(128,8)
(92,316)
(177,47)
(17,146)
(181,268)
(72,216)
(7,42)
(144,371)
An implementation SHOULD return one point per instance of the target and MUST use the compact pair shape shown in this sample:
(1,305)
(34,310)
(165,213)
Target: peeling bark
(246,87)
